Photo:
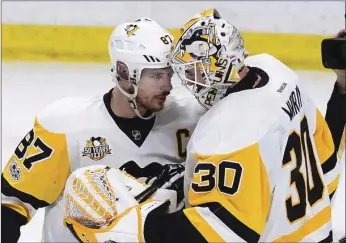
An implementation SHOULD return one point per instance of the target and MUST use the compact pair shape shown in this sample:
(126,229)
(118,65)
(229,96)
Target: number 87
(165,39)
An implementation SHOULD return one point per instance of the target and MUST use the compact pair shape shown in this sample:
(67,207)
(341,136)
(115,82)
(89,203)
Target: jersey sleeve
(327,153)
(230,200)
(36,173)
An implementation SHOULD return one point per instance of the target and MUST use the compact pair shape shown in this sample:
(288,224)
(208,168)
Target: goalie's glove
(128,226)
(101,205)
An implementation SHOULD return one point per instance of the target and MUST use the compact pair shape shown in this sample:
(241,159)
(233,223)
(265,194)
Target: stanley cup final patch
(96,148)
(15,170)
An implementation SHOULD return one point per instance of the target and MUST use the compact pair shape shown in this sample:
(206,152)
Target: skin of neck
(243,72)
(121,106)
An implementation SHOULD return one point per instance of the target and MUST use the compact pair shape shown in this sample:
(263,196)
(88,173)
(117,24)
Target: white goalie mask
(138,45)
(96,198)
(207,57)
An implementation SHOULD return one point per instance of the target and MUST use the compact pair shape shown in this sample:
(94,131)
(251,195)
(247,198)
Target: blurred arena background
(79,31)
(54,49)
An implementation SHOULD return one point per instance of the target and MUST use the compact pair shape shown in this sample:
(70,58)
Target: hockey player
(136,127)
(260,165)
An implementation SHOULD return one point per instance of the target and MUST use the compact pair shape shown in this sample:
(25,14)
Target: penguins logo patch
(96,148)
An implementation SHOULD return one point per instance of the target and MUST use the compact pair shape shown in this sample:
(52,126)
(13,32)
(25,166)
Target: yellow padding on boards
(90,44)
(55,43)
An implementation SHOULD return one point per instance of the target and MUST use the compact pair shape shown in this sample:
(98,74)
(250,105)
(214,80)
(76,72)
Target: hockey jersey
(78,132)
(259,165)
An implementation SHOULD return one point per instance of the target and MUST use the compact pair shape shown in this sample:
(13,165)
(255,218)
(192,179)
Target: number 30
(302,146)
(210,179)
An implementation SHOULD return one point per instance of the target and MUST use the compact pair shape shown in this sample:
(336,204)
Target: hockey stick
(168,171)
(144,195)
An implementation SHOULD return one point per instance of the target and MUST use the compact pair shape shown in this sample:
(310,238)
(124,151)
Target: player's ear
(123,75)
(122,71)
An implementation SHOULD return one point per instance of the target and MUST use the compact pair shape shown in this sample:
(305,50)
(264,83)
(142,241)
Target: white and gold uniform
(77,132)
(259,167)
(265,168)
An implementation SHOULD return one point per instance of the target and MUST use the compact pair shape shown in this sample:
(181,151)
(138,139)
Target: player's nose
(167,83)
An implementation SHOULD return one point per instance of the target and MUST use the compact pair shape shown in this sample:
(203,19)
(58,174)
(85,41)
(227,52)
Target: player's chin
(157,104)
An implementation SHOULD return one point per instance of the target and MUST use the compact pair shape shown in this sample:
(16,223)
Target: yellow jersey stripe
(19,208)
(140,222)
(332,186)
(310,226)
(341,148)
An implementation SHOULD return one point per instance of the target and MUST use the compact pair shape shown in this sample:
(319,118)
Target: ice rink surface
(28,87)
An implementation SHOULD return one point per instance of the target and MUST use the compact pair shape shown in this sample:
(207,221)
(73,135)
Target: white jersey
(77,132)
(255,161)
